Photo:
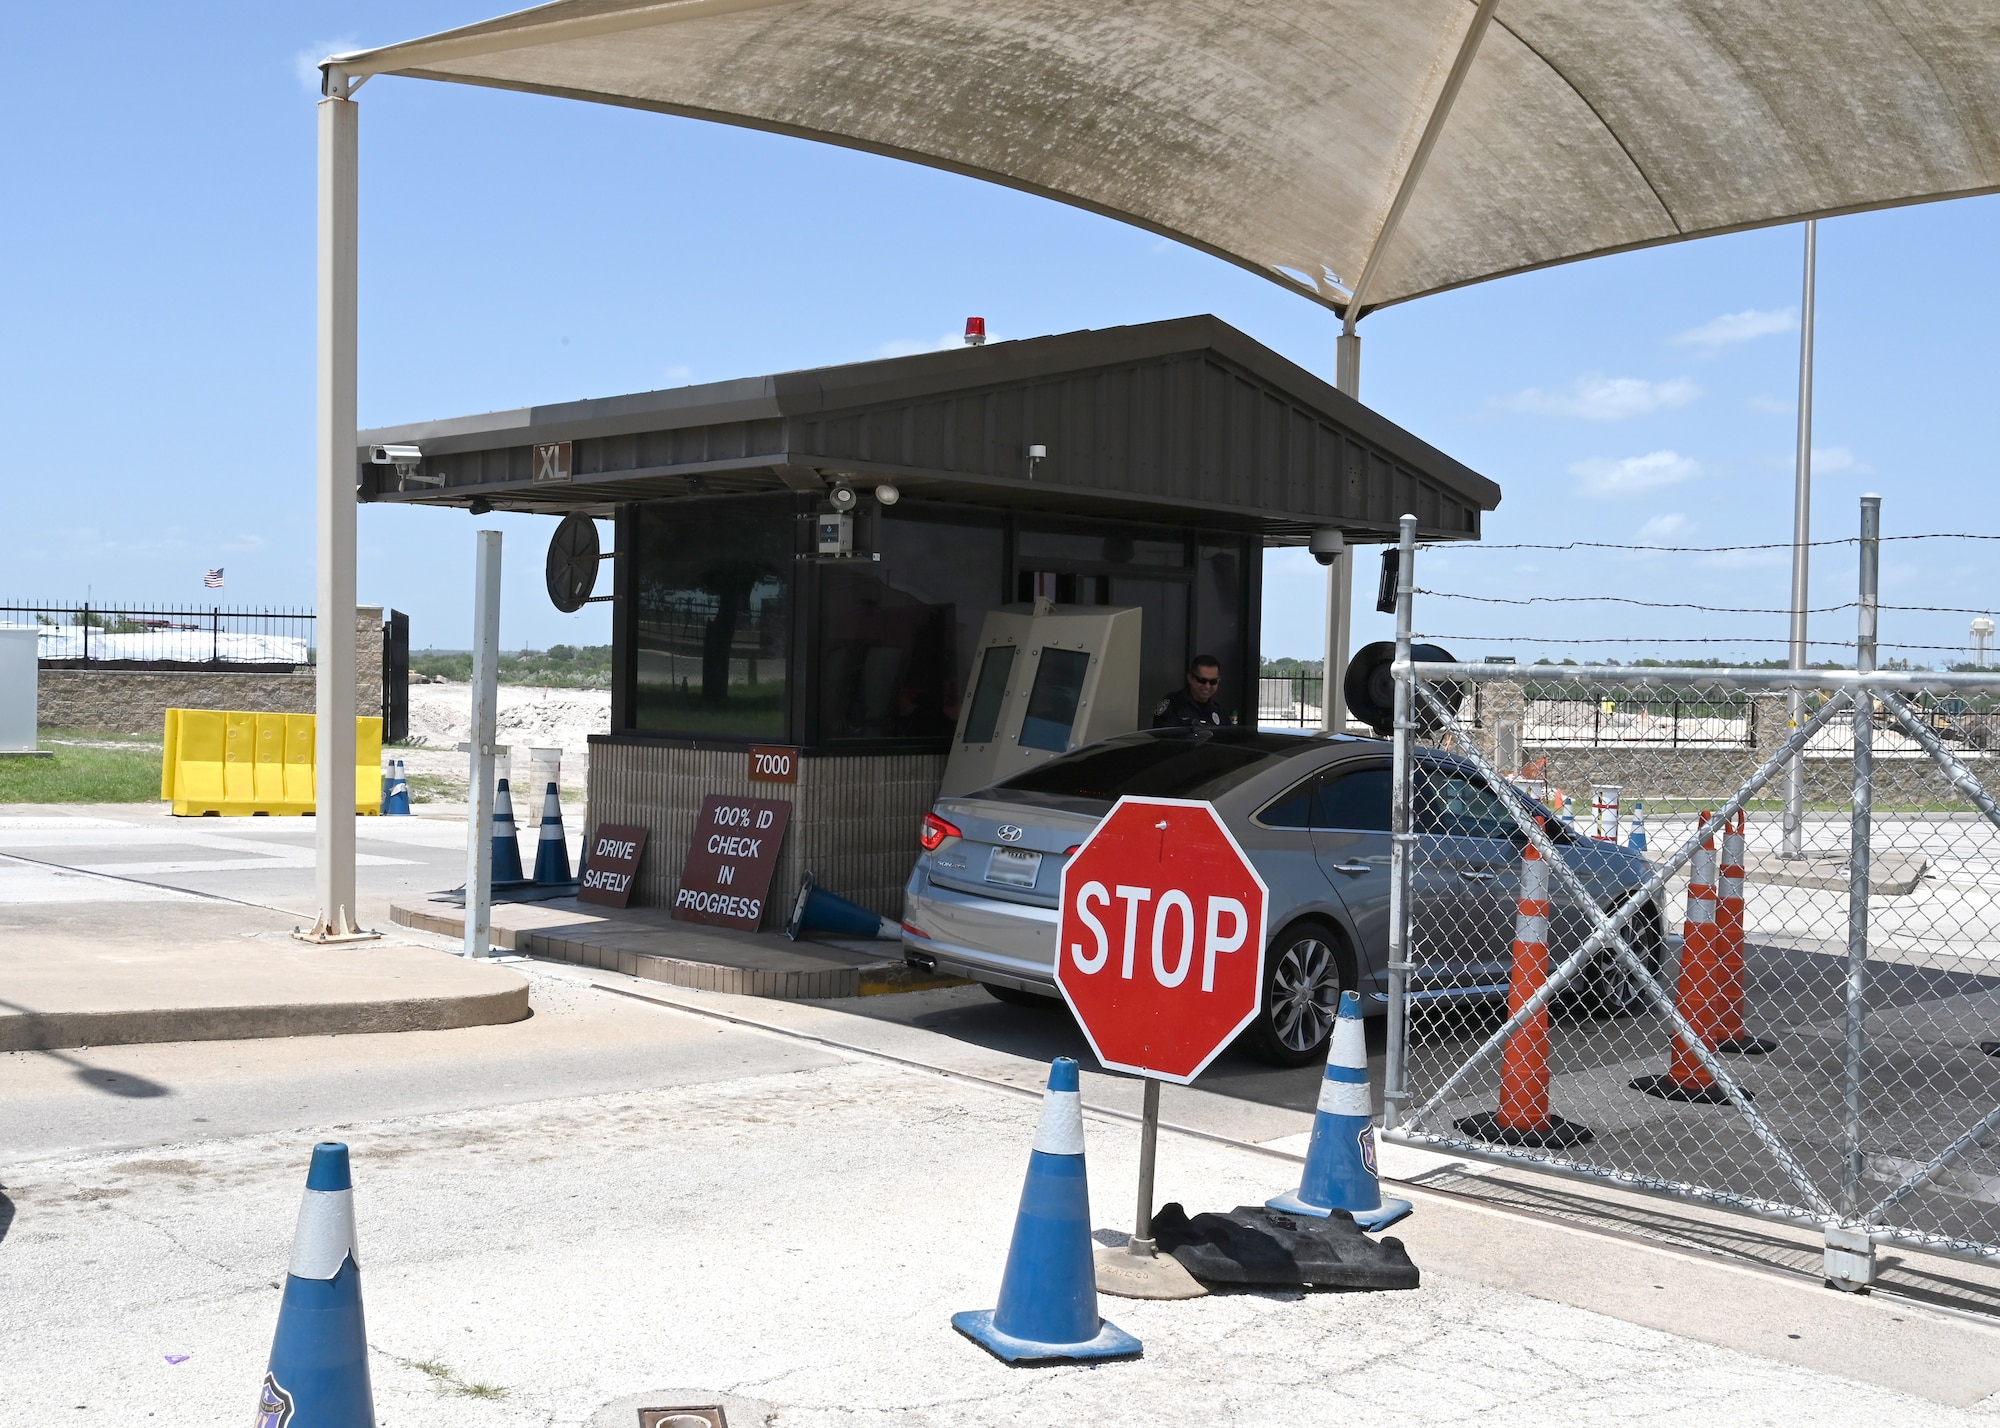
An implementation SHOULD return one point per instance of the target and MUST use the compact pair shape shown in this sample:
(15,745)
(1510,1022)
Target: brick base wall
(854,817)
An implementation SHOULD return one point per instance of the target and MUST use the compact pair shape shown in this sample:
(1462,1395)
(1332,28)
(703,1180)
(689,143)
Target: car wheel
(1609,987)
(1303,980)
(1015,997)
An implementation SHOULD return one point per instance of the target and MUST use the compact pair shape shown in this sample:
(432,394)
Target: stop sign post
(1160,954)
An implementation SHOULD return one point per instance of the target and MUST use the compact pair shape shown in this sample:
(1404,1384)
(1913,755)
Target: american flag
(213,580)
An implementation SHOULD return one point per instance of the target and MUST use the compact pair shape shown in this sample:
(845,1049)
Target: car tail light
(1070,851)
(936,830)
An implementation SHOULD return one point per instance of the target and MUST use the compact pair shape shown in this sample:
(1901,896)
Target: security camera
(1328,545)
(843,497)
(395,455)
(888,495)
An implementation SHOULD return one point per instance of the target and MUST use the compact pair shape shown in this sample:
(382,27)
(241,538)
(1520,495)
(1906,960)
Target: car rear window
(1166,765)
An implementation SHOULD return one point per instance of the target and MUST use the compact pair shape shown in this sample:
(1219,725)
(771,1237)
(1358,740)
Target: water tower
(1982,639)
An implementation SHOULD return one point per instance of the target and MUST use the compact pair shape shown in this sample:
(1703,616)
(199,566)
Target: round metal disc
(573,559)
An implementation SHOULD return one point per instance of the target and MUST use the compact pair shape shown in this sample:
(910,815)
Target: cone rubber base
(1747,1046)
(1143,1276)
(1558,1134)
(1380,1218)
(1666,1088)
(1111,1342)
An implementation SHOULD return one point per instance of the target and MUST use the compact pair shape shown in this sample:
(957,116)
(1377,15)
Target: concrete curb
(52,1031)
(866,979)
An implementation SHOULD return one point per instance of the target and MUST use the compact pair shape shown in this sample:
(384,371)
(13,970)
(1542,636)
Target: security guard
(1196,706)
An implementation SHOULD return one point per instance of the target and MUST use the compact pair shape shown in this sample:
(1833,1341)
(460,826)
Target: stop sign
(1160,947)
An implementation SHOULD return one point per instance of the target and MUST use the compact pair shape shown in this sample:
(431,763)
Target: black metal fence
(165,637)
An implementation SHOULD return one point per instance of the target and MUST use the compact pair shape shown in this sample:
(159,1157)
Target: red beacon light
(975,332)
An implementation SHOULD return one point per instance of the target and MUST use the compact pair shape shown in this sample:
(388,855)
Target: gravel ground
(530,715)
(799,1239)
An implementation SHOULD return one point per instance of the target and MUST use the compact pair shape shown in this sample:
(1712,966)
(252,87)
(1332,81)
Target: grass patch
(446,1380)
(88,767)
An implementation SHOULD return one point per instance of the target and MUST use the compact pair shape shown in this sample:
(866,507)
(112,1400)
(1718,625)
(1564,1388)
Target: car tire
(1608,989)
(1306,969)
(1015,997)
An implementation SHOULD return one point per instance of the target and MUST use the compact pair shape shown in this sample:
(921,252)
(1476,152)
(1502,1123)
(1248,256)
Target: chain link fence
(1744,956)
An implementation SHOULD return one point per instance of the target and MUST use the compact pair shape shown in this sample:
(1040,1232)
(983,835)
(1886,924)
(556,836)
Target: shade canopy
(1424,143)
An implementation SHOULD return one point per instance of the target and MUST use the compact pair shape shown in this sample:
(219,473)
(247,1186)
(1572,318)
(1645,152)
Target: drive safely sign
(1160,949)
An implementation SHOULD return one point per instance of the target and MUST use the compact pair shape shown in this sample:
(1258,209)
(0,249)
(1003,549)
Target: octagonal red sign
(1160,947)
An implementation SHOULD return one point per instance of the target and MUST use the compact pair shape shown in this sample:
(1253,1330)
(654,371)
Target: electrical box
(1048,678)
(20,669)
(836,533)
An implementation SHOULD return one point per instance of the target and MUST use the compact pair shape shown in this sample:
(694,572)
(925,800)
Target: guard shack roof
(1162,421)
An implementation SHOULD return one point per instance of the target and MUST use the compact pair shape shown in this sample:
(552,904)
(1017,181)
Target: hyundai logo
(1008,833)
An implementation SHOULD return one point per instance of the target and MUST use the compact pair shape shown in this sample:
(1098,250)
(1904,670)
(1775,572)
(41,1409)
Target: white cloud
(1671,526)
(305,62)
(1596,397)
(1634,475)
(680,372)
(1838,461)
(1770,404)
(1734,327)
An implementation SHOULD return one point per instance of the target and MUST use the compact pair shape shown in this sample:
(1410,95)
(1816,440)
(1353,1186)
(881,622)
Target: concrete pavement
(799,1236)
(121,925)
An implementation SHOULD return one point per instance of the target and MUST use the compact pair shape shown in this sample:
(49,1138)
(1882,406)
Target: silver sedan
(1312,812)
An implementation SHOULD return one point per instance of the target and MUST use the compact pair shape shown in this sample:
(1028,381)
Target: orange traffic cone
(1729,928)
(1524,1117)
(1699,998)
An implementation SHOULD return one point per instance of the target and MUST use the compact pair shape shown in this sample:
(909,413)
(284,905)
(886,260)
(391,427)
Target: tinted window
(714,610)
(1292,810)
(1353,800)
(1052,703)
(1459,805)
(987,694)
(896,634)
(1357,801)
(1170,765)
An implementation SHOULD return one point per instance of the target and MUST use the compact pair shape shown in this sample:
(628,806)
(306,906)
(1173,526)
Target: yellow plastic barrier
(234,764)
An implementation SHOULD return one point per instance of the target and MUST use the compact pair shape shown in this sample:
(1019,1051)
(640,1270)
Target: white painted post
(485,725)
(333,700)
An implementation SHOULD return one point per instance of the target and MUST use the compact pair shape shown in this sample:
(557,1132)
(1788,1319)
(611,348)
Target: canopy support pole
(1795,772)
(1347,360)
(333,697)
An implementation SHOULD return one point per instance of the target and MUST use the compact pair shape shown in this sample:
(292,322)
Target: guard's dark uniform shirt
(1179,711)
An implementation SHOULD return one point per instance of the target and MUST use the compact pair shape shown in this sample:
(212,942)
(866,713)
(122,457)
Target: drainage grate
(706,1416)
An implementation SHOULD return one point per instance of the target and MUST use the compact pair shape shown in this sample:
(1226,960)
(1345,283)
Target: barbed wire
(1676,640)
(1629,600)
(1686,549)
(1689,605)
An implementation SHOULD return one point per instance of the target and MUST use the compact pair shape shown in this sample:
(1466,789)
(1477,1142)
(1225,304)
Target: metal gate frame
(1851,1229)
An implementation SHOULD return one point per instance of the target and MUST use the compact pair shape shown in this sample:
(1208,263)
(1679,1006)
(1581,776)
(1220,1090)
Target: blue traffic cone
(318,1374)
(396,792)
(1048,1294)
(552,852)
(506,843)
(1636,841)
(1340,1162)
(817,910)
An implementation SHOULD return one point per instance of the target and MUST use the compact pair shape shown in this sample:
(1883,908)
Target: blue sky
(156,367)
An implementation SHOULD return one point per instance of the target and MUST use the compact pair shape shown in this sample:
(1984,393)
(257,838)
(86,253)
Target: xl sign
(1160,949)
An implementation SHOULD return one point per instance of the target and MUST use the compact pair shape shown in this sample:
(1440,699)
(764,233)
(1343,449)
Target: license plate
(1013,867)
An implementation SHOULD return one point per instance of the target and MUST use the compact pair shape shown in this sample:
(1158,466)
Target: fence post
(1395,1083)
(1850,1253)
(215,636)
(85,619)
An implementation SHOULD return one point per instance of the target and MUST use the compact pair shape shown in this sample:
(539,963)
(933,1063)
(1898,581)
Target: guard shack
(1142,466)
